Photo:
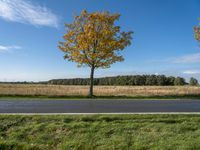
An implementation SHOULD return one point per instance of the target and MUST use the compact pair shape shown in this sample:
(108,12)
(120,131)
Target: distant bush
(193,82)
(179,81)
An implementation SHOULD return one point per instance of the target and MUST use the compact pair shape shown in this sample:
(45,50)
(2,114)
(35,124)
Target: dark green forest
(130,80)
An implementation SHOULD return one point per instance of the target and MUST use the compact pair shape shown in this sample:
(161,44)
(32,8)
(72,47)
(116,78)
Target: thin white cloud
(191,72)
(184,59)
(191,58)
(24,11)
(8,48)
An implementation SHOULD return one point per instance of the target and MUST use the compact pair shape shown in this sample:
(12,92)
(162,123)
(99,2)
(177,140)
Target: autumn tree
(94,40)
(197,33)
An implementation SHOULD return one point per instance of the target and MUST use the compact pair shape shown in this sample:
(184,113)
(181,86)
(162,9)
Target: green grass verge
(101,132)
(78,97)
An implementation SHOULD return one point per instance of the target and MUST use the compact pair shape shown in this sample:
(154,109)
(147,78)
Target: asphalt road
(98,106)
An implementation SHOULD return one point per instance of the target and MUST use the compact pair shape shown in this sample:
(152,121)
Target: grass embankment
(101,92)
(101,132)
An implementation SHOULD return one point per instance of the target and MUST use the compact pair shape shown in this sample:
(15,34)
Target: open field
(100,132)
(117,91)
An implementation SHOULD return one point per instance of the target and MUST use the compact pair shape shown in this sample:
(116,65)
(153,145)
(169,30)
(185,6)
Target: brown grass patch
(65,90)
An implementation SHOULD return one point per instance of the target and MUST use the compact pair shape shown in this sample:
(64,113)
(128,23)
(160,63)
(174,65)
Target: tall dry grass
(63,90)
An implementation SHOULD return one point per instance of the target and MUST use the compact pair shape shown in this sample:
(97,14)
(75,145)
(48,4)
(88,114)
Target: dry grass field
(62,90)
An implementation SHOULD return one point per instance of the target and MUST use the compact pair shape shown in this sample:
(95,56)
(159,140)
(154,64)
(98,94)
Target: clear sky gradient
(163,40)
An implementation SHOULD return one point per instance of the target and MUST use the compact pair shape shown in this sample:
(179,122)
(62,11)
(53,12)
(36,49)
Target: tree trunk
(91,81)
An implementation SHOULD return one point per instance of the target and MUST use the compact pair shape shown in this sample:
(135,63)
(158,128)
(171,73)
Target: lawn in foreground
(103,132)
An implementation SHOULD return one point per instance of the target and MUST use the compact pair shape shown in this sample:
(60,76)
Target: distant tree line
(25,82)
(131,80)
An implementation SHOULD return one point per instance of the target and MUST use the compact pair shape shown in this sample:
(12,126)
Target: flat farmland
(126,91)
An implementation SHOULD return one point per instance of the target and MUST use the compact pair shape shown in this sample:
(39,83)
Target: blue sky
(163,40)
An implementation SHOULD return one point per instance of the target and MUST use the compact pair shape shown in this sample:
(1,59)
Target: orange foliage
(93,39)
(197,33)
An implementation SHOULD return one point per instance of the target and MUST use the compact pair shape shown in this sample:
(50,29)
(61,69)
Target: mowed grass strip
(106,91)
(100,132)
